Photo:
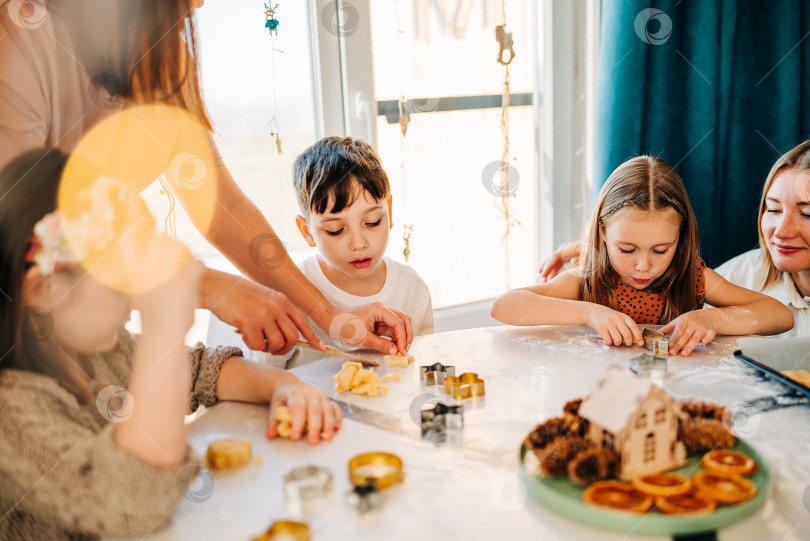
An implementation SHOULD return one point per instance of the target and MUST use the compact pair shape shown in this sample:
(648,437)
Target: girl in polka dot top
(640,265)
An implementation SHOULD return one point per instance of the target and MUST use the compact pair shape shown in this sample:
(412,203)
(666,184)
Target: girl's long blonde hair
(796,159)
(650,184)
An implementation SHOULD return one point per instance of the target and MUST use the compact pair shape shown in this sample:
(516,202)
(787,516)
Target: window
(448,50)
(237,74)
(641,422)
(649,447)
(660,415)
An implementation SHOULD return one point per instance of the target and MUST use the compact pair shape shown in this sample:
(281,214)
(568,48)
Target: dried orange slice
(725,461)
(663,484)
(617,495)
(691,503)
(724,487)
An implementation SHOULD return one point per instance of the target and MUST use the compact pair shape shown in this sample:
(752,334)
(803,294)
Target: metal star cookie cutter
(307,483)
(655,341)
(646,364)
(443,423)
(435,373)
(285,529)
(465,386)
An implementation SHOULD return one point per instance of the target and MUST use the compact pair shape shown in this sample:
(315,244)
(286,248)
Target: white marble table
(473,492)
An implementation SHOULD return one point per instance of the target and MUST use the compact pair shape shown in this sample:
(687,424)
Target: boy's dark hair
(335,166)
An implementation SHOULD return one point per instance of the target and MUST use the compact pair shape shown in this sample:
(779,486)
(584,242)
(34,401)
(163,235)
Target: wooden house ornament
(638,420)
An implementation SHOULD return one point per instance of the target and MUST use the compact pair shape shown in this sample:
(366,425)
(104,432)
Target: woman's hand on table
(689,330)
(614,327)
(308,408)
(265,318)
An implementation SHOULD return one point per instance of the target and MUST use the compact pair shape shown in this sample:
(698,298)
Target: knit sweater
(61,474)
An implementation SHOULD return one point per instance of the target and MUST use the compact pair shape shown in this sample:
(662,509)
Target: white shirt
(403,290)
(748,270)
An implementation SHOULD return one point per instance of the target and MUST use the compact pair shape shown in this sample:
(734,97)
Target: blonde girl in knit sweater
(92,417)
(641,266)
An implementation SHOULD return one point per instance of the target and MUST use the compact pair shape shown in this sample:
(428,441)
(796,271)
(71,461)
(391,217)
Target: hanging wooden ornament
(271,23)
(505,43)
(404,115)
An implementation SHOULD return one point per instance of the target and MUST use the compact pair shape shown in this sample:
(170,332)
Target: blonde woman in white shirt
(780,267)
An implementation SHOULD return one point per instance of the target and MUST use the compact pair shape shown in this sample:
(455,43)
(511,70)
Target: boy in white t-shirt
(345,200)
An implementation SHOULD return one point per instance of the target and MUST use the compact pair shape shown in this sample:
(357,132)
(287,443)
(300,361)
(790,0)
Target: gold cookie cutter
(288,529)
(655,341)
(365,494)
(358,475)
(465,386)
(435,373)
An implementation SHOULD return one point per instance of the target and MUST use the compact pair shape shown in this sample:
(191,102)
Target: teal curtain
(718,88)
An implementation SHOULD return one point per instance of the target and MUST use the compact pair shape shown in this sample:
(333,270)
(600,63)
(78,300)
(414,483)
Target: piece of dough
(353,377)
(392,376)
(346,375)
(364,376)
(228,453)
(398,360)
(284,417)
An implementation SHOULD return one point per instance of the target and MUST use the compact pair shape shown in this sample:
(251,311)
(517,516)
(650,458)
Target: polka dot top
(646,307)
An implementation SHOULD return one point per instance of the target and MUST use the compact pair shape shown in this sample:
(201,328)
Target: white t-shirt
(403,290)
(747,270)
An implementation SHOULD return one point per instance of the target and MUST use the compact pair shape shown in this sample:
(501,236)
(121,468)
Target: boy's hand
(308,408)
(614,327)
(381,321)
(690,329)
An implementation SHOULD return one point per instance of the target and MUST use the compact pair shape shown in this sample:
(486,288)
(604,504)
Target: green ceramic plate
(565,498)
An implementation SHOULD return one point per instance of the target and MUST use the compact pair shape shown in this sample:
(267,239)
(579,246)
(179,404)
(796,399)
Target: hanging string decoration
(506,54)
(404,120)
(271,23)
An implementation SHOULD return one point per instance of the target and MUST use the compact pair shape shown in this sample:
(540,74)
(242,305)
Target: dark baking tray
(774,373)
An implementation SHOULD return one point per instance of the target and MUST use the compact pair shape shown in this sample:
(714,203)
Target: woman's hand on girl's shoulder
(615,328)
(689,330)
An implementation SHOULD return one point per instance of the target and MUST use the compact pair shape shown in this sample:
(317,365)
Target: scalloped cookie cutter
(465,386)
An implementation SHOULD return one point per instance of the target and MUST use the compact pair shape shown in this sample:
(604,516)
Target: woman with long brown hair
(66,65)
